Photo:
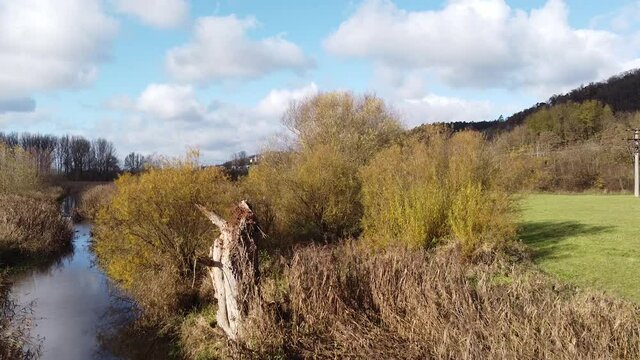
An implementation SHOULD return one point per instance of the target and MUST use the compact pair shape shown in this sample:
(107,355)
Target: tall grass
(32,226)
(18,173)
(346,301)
(93,199)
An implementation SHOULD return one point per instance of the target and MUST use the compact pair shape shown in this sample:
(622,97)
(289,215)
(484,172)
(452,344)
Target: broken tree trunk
(234,266)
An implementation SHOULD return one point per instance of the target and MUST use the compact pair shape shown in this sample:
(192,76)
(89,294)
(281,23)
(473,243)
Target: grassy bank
(588,240)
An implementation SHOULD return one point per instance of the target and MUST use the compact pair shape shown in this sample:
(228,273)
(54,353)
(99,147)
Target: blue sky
(159,76)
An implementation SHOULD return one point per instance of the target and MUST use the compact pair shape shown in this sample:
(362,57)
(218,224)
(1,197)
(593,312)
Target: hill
(620,92)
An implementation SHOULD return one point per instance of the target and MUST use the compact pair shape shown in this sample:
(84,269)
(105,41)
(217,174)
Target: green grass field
(589,240)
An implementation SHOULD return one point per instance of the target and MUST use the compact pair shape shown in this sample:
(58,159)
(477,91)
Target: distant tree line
(73,157)
(239,164)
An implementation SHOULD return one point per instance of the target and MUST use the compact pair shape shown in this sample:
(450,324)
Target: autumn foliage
(149,235)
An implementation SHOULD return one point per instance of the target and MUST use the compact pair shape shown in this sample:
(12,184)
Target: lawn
(589,240)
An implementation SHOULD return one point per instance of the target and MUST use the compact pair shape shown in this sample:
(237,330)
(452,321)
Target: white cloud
(170,102)
(158,13)
(278,100)
(434,108)
(483,43)
(220,49)
(51,44)
(220,131)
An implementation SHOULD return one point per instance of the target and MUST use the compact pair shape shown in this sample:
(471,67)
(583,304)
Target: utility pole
(636,161)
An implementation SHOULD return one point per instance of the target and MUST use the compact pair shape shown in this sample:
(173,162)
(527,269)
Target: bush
(405,196)
(346,301)
(149,235)
(93,199)
(32,226)
(416,194)
(312,190)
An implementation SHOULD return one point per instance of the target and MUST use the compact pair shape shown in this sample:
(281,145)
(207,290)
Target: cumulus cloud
(219,131)
(278,100)
(170,102)
(51,44)
(157,13)
(220,49)
(434,108)
(483,43)
(17,105)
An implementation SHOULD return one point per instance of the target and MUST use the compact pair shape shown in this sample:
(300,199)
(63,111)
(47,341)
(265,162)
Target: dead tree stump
(234,266)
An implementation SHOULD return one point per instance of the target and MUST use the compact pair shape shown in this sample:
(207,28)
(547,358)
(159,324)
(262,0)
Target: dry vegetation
(15,342)
(32,229)
(432,271)
(30,220)
(346,301)
(18,173)
(93,199)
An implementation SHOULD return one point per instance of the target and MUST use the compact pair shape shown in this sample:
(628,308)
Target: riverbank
(34,235)
(33,231)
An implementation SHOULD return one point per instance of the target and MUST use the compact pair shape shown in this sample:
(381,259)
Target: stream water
(73,305)
(70,302)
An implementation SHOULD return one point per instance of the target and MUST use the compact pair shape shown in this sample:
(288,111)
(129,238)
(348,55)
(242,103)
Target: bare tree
(134,163)
(233,266)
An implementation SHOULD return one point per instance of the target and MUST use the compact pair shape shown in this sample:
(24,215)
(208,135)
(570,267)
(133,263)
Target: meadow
(588,240)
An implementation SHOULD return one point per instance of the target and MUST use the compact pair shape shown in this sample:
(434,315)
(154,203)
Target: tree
(80,156)
(149,235)
(233,266)
(312,192)
(134,163)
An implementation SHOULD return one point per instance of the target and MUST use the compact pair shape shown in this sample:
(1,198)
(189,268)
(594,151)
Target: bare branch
(215,219)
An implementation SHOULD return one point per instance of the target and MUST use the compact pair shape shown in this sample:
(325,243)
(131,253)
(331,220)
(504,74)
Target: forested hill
(620,92)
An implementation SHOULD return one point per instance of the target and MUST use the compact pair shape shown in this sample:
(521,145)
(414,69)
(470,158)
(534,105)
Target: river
(71,301)
(77,314)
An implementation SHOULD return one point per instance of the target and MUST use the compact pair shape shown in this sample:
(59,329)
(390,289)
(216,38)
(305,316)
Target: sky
(164,76)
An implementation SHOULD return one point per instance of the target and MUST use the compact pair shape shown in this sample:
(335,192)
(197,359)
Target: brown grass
(94,198)
(347,302)
(32,226)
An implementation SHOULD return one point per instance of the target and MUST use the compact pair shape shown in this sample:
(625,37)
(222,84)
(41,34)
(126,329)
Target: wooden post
(636,183)
(635,143)
(234,266)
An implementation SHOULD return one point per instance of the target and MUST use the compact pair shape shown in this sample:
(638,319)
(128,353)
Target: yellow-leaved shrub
(421,192)
(150,233)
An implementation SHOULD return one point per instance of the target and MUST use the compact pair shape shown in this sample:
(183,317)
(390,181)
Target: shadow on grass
(547,237)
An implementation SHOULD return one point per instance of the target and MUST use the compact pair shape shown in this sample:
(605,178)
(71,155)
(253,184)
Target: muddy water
(71,301)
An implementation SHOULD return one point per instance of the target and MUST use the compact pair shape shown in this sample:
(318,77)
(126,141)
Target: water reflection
(71,299)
